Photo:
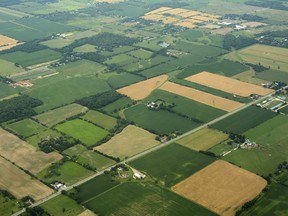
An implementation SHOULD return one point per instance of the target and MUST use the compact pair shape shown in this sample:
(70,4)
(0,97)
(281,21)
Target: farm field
(58,115)
(202,97)
(142,89)
(86,48)
(159,122)
(244,120)
(180,162)
(25,155)
(135,198)
(105,121)
(26,128)
(273,75)
(7,42)
(21,184)
(118,105)
(34,140)
(141,54)
(130,141)
(271,138)
(123,79)
(7,91)
(8,68)
(121,59)
(62,206)
(86,132)
(203,139)
(221,195)
(284,110)
(228,84)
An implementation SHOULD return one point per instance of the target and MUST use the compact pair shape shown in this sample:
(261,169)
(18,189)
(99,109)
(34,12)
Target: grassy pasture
(62,206)
(6,91)
(58,115)
(9,68)
(86,48)
(157,70)
(123,79)
(141,54)
(87,133)
(273,75)
(203,139)
(57,43)
(117,105)
(138,199)
(244,120)
(180,162)
(100,119)
(26,128)
(160,122)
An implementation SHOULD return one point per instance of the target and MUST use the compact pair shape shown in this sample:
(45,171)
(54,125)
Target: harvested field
(140,90)
(202,97)
(203,139)
(221,195)
(19,183)
(254,24)
(130,141)
(7,42)
(24,154)
(159,10)
(227,84)
(185,24)
(189,14)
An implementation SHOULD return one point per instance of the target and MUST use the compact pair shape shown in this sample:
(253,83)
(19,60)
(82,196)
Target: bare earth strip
(202,97)
(87,212)
(132,140)
(227,84)
(221,187)
(142,89)
(24,154)
(19,183)
(7,42)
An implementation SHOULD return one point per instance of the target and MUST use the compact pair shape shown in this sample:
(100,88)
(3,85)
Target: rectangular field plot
(203,139)
(34,140)
(244,120)
(202,97)
(9,68)
(273,75)
(130,141)
(19,183)
(228,84)
(141,54)
(24,154)
(221,195)
(159,122)
(142,89)
(100,119)
(118,105)
(272,138)
(7,91)
(7,42)
(138,199)
(123,79)
(180,162)
(56,116)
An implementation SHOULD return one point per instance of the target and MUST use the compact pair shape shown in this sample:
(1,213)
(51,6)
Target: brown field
(227,84)
(189,14)
(203,139)
(202,97)
(169,20)
(140,90)
(19,183)
(221,187)
(7,42)
(222,31)
(205,18)
(193,21)
(130,141)
(211,26)
(186,24)
(175,11)
(24,154)
(159,10)
(254,24)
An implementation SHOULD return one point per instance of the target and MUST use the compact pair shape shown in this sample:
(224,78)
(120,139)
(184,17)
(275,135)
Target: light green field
(85,48)
(57,43)
(26,127)
(34,140)
(8,206)
(121,59)
(141,54)
(8,68)
(100,119)
(8,91)
(121,103)
(87,133)
(58,115)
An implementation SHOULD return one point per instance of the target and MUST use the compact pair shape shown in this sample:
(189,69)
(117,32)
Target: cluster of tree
(100,100)
(246,206)
(237,42)
(7,194)
(274,38)
(237,138)
(93,56)
(4,3)
(29,46)
(58,143)
(108,156)
(35,211)
(18,108)
(257,67)
(248,17)
(6,80)
(273,4)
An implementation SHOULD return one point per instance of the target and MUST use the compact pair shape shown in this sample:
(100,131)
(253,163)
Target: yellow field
(132,140)
(189,14)
(203,139)
(227,84)
(175,11)
(19,183)
(221,187)
(186,24)
(7,42)
(159,10)
(140,90)
(202,97)
(24,154)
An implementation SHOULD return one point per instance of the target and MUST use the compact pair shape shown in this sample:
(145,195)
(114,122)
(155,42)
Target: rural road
(147,152)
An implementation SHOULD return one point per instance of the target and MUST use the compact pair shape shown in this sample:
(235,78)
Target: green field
(88,157)
(34,140)
(273,75)
(284,110)
(6,91)
(117,105)
(121,59)
(180,162)
(160,122)
(8,68)
(86,48)
(138,199)
(100,119)
(123,79)
(141,54)
(58,115)
(272,137)
(8,206)
(68,172)
(62,206)
(57,43)
(157,70)
(87,133)
(187,107)
(244,120)
(26,128)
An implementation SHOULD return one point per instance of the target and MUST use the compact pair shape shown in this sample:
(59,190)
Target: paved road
(147,152)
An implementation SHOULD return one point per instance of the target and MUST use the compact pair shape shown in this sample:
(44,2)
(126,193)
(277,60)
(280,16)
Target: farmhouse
(248,144)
